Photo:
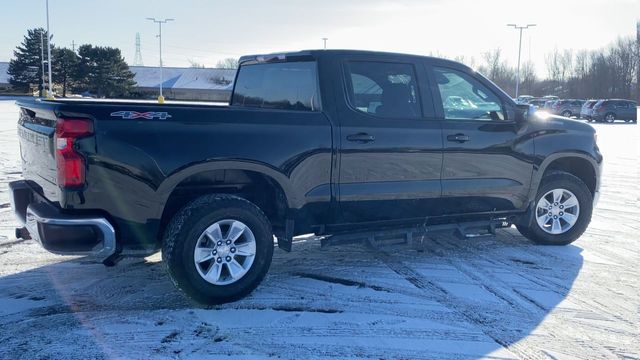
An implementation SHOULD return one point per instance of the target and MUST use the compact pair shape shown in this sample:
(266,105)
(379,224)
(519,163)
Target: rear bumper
(60,233)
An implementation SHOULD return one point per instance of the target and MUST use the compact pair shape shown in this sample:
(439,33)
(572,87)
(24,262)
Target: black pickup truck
(336,143)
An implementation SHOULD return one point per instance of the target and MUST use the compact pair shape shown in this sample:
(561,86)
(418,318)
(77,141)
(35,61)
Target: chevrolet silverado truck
(337,143)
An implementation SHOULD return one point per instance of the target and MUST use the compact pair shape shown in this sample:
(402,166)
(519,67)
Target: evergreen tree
(65,68)
(104,72)
(25,68)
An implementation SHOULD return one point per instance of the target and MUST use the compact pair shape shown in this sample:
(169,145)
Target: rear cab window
(282,85)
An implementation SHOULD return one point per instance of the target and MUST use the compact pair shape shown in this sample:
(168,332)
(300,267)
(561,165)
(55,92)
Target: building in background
(200,84)
(4,77)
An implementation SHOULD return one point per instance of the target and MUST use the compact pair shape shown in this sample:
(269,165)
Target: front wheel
(610,118)
(562,212)
(218,248)
(566,114)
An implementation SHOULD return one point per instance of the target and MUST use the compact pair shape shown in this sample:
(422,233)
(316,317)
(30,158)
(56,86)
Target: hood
(556,122)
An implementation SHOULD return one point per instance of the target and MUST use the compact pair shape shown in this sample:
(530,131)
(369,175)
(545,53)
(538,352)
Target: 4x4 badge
(129,115)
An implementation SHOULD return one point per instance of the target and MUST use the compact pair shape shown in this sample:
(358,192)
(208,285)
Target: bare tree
(638,61)
(493,63)
(195,64)
(625,61)
(528,77)
(552,61)
(228,63)
(469,61)
(566,64)
(498,71)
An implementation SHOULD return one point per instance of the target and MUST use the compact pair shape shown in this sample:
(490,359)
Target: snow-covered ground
(493,298)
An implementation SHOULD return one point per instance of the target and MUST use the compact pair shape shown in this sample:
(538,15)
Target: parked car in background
(524,99)
(610,110)
(548,105)
(587,107)
(537,103)
(567,107)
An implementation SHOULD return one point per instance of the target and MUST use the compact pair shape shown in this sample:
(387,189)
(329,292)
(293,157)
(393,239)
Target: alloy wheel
(557,211)
(225,252)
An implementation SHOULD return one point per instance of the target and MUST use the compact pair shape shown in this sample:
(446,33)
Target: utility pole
(73,45)
(137,59)
(324,40)
(638,55)
(160,22)
(520,28)
(50,94)
(44,86)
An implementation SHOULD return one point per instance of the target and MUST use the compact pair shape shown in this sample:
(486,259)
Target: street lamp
(324,39)
(520,28)
(160,22)
(50,95)
(44,86)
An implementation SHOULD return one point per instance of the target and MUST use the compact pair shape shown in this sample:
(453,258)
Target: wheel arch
(581,165)
(264,186)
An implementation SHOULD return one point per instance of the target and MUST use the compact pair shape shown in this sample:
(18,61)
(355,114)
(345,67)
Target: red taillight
(600,109)
(70,164)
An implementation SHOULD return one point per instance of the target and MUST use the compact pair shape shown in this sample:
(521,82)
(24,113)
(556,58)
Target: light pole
(50,95)
(324,40)
(44,86)
(520,28)
(160,22)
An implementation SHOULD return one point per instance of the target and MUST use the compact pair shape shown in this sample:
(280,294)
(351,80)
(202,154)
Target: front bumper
(597,116)
(58,232)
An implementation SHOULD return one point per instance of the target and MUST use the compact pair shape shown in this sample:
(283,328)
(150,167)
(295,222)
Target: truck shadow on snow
(432,296)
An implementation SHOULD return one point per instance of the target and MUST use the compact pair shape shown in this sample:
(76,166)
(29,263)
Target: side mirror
(524,112)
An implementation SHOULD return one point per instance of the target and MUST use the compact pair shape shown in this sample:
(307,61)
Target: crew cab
(331,142)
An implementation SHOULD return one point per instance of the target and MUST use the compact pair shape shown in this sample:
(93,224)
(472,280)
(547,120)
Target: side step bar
(410,235)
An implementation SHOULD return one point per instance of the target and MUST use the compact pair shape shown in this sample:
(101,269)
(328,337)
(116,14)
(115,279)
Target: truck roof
(319,53)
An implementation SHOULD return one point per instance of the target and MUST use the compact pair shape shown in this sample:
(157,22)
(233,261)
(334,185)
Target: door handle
(361,137)
(458,138)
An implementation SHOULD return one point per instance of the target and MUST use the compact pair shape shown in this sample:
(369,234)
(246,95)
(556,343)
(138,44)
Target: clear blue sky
(207,31)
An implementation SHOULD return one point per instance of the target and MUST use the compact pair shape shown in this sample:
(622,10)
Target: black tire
(561,180)
(609,121)
(182,234)
(566,113)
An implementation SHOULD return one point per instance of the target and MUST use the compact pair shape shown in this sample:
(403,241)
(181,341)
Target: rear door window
(285,86)
(388,90)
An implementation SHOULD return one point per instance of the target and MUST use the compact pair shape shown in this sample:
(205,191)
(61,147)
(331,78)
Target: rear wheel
(562,210)
(218,248)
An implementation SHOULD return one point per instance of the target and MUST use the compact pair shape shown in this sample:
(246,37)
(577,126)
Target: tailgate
(36,128)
